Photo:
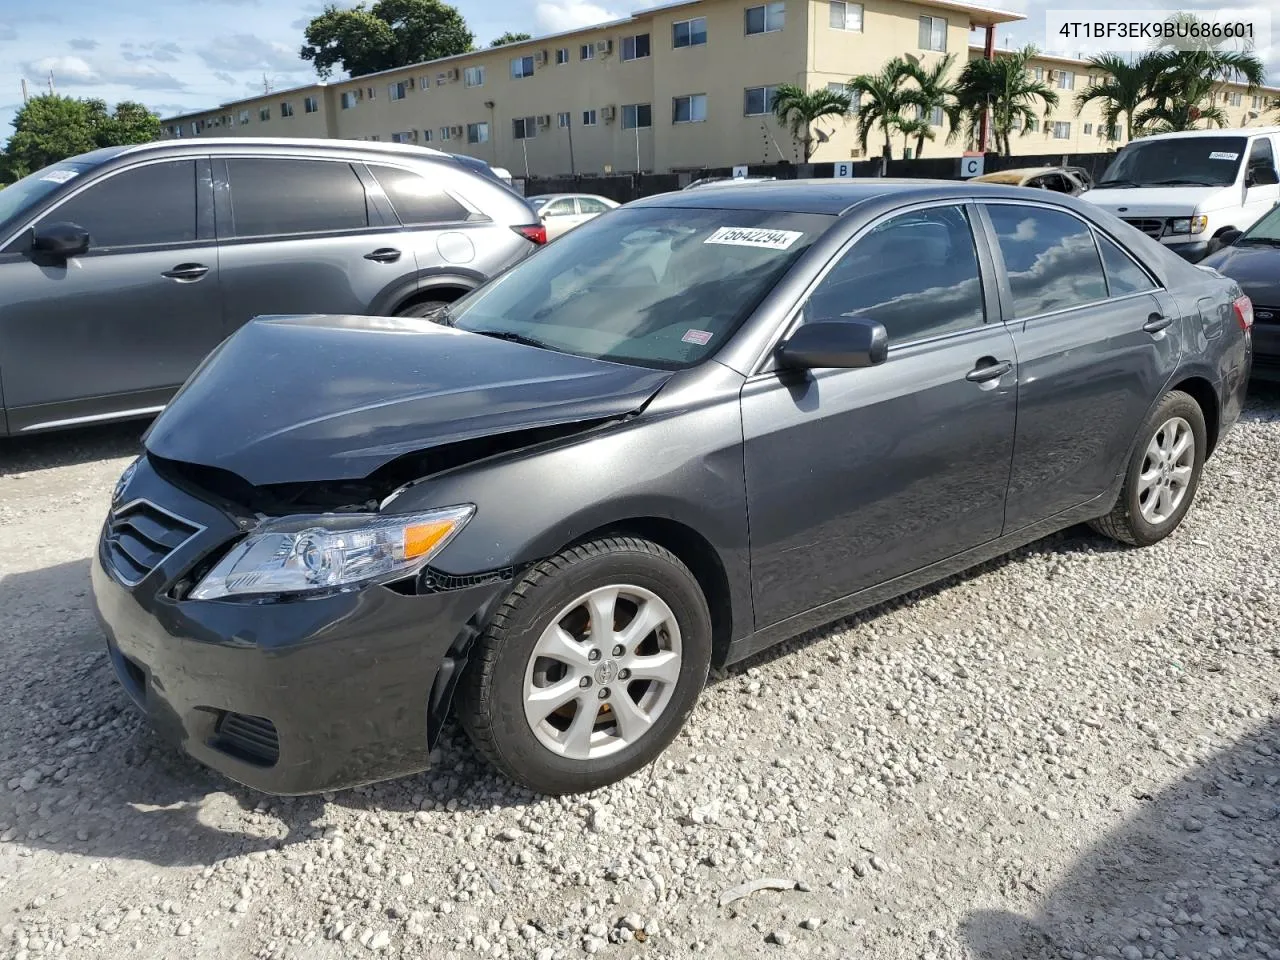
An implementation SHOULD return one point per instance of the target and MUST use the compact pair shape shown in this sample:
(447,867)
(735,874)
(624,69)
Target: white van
(1185,189)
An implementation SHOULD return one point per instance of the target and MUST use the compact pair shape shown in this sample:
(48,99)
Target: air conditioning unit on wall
(608,114)
(455,131)
(604,47)
(540,58)
(544,120)
(453,75)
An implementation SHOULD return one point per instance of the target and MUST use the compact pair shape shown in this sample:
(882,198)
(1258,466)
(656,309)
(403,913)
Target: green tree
(50,128)
(798,110)
(1122,90)
(510,37)
(882,97)
(391,33)
(932,90)
(1003,88)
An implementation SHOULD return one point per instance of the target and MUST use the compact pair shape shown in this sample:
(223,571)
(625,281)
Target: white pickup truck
(1186,189)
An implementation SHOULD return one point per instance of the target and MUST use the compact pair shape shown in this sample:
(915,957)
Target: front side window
(689,33)
(647,286)
(473,77)
(1176,162)
(1124,277)
(637,115)
(278,197)
(415,199)
(560,208)
(524,128)
(758,101)
(916,273)
(846,16)
(521,67)
(690,109)
(477,133)
(766,18)
(933,34)
(635,48)
(1050,257)
(1262,159)
(147,205)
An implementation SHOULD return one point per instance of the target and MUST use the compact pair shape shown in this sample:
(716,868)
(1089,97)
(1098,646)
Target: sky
(181,55)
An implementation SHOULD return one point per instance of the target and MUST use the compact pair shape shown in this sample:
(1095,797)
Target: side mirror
(64,240)
(843,343)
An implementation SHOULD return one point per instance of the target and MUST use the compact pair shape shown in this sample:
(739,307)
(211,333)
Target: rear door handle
(988,368)
(187,272)
(384,255)
(1157,322)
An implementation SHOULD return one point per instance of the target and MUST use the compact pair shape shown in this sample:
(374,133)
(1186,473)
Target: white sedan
(561,212)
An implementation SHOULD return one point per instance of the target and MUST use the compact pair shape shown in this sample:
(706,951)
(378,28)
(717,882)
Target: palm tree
(914,124)
(1005,89)
(798,110)
(882,98)
(1126,85)
(932,90)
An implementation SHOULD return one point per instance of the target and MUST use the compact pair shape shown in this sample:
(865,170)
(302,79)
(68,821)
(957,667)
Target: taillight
(537,233)
(1244,313)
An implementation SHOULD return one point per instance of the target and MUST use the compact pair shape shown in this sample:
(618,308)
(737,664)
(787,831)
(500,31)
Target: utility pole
(51,83)
(25,95)
(573,168)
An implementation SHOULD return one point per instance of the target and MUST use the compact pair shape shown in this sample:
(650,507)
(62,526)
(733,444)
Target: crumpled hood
(300,399)
(1130,202)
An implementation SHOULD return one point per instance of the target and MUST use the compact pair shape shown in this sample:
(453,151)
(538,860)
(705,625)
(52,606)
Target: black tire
(490,700)
(1125,522)
(424,308)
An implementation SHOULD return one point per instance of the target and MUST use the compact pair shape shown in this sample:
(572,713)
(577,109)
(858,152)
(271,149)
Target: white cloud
(72,71)
(554,16)
(82,43)
(160,50)
(244,51)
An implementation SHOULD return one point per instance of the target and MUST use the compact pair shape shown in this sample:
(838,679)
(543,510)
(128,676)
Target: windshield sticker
(59,176)
(1223,155)
(700,337)
(755,237)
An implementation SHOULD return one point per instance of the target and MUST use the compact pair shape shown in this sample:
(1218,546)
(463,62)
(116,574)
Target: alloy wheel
(1166,471)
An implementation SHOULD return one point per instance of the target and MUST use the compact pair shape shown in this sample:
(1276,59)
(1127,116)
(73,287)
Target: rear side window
(1123,275)
(152,204)
(273,197)
(1052,261)
(591,205)
(916,273)
(416,199)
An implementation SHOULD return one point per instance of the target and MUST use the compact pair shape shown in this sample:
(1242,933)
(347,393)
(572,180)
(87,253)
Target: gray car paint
(106,336)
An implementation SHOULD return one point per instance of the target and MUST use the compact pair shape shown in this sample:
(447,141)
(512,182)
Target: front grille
(140,536)
(252,739)
(1266,315)
(1151,226)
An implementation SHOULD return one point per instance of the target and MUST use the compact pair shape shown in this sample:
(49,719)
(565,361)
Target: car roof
(1229,132)
(832,197)
(219,144)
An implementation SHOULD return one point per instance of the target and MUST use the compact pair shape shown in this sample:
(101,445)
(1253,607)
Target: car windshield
(651,286)
(17,198)
(1266,230)
(1177,162)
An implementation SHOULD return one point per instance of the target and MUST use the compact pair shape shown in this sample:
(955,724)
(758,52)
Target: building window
(933,34)
(839,88)
(1062,130)
(1113,133)
(264,114)
(1256,102)
(424,83)
(521,67)
(1066,80)
(690,109)
(1033,125)
(244,117)
(427,136)
(1237,99)
(286,109)
(562,56)
(689,33)
(195,128)
(446,133)
(441,79)
(311,105)
(846,16)
(588,118)
(348,100)
(405,136)
(1088,129)
(636,115)
(759,100)
(477,133)
(524,128)
(1039,73)
(766,18)
(635,48)
(563,119)
(936,118)
(398,91)
(587,51)
(371,93)
(473,77)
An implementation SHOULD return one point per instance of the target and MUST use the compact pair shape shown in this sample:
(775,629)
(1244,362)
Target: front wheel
(590,668)
(1163,475)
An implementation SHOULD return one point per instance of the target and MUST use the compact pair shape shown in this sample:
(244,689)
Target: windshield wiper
(1269,241)
(1177,181)
(512,337)
(1115,183)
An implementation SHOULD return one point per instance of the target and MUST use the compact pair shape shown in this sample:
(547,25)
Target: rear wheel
(590,667)
(1163,474)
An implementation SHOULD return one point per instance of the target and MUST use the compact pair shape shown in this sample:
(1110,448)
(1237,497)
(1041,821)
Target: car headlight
(301,555)
(123,482)
(1185,225)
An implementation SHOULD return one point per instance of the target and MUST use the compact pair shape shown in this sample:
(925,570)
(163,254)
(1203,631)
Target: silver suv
(122,268)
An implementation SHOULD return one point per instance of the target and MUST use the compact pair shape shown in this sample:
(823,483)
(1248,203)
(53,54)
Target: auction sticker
(1223,155)
(755,237)
(59,176)
(700,337)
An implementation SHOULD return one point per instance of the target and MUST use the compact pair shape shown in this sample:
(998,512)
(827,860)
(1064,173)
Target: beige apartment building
(679,87)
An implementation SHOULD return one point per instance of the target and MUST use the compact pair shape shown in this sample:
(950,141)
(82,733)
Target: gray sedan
(695,427)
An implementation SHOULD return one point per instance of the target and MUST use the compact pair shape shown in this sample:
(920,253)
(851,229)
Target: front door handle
(187,272)
(1157,322)
(384,255)
(988,368)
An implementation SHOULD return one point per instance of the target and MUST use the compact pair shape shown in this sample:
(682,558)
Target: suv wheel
(590,667)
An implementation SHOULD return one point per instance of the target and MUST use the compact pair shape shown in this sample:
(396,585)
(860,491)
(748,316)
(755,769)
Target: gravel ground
(1071,752)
